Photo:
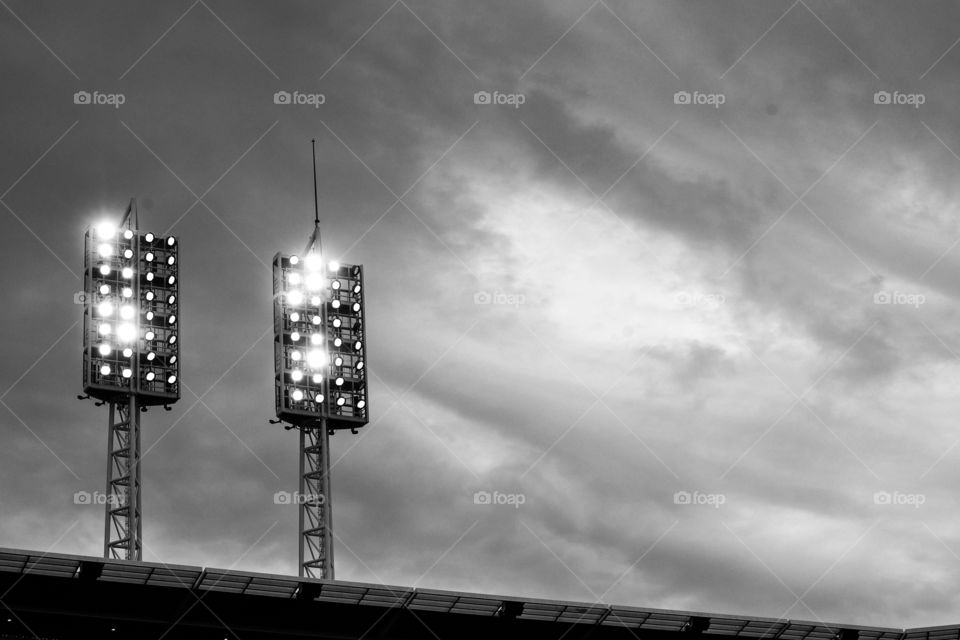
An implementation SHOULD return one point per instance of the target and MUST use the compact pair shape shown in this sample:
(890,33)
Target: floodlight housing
(127,327)
(306,388)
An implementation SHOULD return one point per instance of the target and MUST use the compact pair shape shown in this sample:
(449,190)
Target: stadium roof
(65,596)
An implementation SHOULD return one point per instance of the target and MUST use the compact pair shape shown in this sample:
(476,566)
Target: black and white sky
(688,249)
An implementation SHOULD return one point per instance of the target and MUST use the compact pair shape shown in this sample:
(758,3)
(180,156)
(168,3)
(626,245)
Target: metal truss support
(316,524)
(122,530)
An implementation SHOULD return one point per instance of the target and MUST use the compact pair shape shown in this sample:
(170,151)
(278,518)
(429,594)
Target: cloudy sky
(685,286)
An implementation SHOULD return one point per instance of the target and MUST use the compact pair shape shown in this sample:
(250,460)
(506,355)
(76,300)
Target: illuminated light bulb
(172,339)
(104,349)
(104,289)
(127,273)
(294,260)
(149,237)
(295,337)
(293,277)
(171,379)
(296,375)
(172,280)
(172,360)
(336,323)
(104,329)
(172,319)
(171,299)
(315,358)
(338,361)
(339,382)
(316,320)
(171,241)
(335,285)
(151,376)
(356,270)
(171,260)
(105,250)
(127,372)
(151,356)
(335,304)
(360,365)
(128,353)
(128,234)
(127,312)
(297,395)
(126,332)
(313,262)
(295,297)
(104,269)
(150,276)
(105,308)
(314,282)
(356,307)
(149,295)
(341,401)
(106,230)
(334,265)
(294,317)
(295,356)
(149,316)
(361,404)
(317,378)
(149,335)
(128,253)
(356,288)
(316,339)
(357,345)
(127,292)
(105,370)
(318,397)
(337,342)
(315,301)
(149,256)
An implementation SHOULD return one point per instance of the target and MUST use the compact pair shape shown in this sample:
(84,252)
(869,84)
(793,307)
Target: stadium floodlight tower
(320,376)
(131,355)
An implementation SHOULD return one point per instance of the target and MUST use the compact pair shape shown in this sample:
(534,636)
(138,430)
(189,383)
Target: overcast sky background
(684,296)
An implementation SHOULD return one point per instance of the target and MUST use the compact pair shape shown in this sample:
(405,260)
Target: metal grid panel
(951,632)
(800,630)
(363,594)
(573,613)
(150,574)
(449,602)
(747,627)
(39,564)
(257,584)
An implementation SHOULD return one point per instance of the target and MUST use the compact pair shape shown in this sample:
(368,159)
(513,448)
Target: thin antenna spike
(314,242)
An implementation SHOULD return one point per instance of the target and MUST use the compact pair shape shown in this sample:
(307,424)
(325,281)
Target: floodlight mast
(322,387)
(136,276)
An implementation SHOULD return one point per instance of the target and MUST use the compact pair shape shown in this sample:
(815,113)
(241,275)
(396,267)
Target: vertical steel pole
(327,502)
(108,492)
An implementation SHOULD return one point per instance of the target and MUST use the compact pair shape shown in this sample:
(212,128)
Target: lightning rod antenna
(315,236)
